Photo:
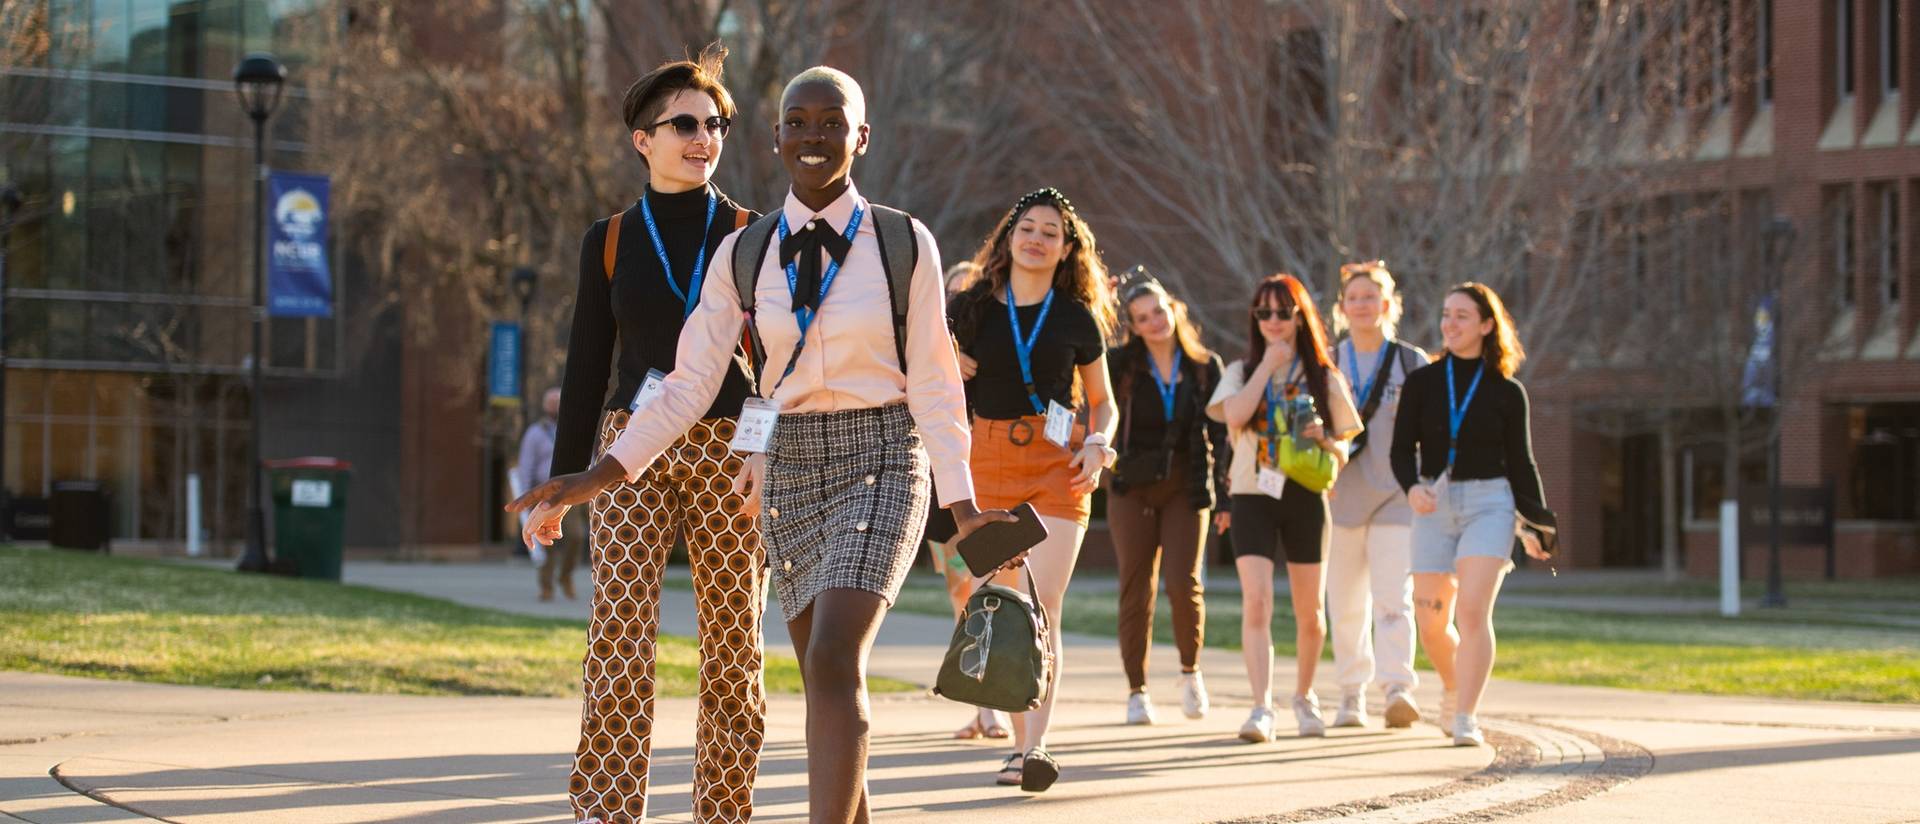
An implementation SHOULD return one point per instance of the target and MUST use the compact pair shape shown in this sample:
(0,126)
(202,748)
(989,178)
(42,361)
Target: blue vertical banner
(299,281)
(1756,381)
(503,364)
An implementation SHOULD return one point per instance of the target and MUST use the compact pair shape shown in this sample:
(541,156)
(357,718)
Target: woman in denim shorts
(1463,452)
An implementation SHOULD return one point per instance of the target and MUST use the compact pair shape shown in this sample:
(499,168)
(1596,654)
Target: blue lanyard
(1023,346)
(1365,376)
(1457,409)
(1168,386)
(804,317)
(691,297)
(1273,418)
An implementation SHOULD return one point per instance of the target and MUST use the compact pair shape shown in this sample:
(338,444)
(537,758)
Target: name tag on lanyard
(1271,482)
(753,433)
(650,388)
(1059,423)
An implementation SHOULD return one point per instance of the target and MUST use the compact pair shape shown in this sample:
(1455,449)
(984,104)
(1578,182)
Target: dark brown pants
(1158,534)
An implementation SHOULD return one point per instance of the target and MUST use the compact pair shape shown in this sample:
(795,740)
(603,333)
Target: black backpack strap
(894,229)
(1395,352)
(748,251)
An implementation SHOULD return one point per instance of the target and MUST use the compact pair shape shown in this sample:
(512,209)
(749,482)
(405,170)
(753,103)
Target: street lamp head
(258,79)
(524,279)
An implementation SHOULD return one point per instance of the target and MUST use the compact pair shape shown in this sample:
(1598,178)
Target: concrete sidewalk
(70,749)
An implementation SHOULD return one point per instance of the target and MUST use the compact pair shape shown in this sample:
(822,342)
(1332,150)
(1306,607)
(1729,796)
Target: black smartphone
(996,543)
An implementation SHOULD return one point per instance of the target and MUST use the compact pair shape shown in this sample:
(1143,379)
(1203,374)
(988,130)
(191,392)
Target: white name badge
(754,432)
(1059,423)
(1439,485)
(1271,482)
(649,389)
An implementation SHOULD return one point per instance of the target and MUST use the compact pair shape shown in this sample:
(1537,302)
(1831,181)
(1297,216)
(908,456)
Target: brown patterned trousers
(634,527)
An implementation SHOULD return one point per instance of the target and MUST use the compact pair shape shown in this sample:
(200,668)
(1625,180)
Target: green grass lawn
(1767,655)
(102,617)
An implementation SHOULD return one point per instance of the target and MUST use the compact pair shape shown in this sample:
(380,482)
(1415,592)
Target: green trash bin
(309,514)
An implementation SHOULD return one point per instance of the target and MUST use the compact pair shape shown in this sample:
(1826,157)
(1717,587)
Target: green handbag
(1307,465)
(999,657)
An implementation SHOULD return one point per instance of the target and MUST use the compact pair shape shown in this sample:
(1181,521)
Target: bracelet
(1095,439)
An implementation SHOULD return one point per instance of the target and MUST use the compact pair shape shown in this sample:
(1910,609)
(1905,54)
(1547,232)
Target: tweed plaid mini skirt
(845,502)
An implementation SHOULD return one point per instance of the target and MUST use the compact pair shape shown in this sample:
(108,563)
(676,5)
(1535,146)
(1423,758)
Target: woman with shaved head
(858,407)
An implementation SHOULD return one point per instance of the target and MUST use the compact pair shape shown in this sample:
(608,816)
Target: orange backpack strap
(612,245)
(740,218)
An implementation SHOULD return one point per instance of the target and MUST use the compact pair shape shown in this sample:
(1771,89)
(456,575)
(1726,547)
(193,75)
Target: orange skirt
(1013,463)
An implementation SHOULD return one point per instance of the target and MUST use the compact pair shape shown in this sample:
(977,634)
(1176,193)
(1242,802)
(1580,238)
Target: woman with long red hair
(1289,414)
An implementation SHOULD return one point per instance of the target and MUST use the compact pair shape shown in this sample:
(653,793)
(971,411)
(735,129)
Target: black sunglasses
(685,125)
(1281,313)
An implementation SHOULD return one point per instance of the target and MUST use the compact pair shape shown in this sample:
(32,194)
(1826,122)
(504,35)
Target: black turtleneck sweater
(636,316)
(1495,436)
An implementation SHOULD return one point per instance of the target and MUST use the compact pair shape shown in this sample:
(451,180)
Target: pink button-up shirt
(849,361)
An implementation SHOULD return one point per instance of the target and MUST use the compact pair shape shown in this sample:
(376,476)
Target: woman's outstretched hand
(570,490)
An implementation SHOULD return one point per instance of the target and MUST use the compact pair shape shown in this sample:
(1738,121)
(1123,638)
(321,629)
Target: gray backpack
(894,229)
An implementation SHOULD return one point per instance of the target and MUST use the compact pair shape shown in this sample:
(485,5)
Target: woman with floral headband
(1032,334)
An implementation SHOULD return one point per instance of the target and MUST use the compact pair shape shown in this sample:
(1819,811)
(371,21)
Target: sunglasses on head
(1273,313)
(686,125)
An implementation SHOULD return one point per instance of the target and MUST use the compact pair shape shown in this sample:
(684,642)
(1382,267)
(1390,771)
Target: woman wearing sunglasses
(1288,412)
(640,275)
(854,416)
(1031,329)
(1162,486)
(1369,591)
(1463,454)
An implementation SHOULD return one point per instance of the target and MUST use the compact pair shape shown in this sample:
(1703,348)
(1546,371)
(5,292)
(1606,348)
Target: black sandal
(1011,775)
(1038,771)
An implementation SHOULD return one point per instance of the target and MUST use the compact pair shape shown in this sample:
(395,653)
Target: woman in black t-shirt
(1463,452)
(1031,330)
(1171,460)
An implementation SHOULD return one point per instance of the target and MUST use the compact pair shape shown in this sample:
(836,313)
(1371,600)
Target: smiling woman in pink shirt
(858,435)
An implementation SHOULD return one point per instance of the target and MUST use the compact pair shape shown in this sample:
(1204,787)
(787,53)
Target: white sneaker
(1401,711)
(1139,710)
(1353,710)
(1466,731)
(1448,701)
(1259,726)
(1193,695)
(1306,712)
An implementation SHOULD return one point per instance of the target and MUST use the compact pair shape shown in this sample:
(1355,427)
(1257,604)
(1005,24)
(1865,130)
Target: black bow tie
(807,244)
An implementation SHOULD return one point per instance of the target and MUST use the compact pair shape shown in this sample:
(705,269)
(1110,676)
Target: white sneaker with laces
(1193,695)
(1466,731)
(1401,710)
(1259,726)
(1139,710)
(1353,710)
(1449,700)
(1306,712)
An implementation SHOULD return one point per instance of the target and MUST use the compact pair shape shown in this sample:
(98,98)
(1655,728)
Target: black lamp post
(1778,239)
(9,205)
(258,81)
(524,281)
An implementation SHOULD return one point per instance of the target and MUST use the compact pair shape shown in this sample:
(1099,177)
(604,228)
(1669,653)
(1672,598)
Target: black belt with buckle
(1020,433)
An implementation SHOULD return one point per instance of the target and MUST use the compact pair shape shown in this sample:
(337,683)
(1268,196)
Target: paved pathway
(74,750)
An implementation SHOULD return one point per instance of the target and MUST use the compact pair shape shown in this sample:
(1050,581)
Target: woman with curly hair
(1032,334)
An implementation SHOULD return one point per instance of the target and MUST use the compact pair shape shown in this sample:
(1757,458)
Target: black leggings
(1293,526)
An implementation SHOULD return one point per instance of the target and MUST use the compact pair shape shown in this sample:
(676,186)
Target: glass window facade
(128,277)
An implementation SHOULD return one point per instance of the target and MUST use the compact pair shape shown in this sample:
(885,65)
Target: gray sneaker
(1353,710)
(1401,710)
(1139,710)
(1466,731)
(1259,726)
(1193,695)
(1306,712)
